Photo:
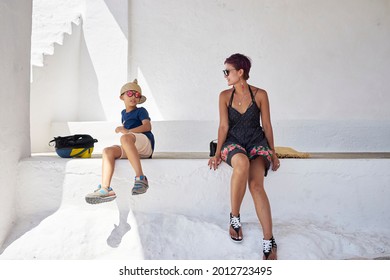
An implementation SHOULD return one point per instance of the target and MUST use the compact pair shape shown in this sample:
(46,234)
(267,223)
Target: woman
(247,147)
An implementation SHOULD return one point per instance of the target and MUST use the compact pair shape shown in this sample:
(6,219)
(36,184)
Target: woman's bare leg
(240,164)
(260,199)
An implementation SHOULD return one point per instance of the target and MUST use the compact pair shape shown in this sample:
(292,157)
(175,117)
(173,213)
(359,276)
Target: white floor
(93,233)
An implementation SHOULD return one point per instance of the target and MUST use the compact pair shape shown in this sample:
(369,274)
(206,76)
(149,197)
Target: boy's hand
(121,129)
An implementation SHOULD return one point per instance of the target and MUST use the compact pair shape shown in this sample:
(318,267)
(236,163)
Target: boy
(137,141)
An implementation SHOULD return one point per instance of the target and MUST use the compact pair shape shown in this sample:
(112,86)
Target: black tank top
(245,129)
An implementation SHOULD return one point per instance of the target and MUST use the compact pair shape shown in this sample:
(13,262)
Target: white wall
(55,89)
(321,60)
(15,30)
(84,70)
(106,32)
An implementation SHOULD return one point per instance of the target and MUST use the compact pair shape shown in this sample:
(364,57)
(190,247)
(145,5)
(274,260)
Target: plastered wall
(318,60)
(321,62)
(15,30)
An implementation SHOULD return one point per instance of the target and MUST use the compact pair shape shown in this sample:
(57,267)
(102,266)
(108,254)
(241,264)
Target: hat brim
(142,100)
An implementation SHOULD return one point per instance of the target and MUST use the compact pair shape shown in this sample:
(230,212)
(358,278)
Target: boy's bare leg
(110,154)
(128,145)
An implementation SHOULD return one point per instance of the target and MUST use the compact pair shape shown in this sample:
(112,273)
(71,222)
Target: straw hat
(133,86)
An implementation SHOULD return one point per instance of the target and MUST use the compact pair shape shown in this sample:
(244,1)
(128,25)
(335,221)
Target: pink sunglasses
(130,93)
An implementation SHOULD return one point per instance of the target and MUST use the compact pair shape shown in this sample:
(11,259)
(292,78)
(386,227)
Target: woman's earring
(242,85)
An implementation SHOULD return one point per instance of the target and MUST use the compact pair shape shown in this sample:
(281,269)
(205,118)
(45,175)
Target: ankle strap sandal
(235,224)
(269,246)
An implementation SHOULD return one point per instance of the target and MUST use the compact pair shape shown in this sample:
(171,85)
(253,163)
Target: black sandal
(235,224)
(269,246)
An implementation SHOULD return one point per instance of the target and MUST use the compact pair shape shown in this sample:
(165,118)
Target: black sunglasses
(226,72)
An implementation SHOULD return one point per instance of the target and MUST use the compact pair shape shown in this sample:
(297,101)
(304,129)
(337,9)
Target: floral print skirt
(230,149)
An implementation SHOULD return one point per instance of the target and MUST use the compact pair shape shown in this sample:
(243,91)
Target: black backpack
(78,145)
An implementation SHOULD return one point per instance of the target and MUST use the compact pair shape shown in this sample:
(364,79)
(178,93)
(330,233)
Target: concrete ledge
(194,136)
(348,192)
(205,155)
(329,199)
(366,155)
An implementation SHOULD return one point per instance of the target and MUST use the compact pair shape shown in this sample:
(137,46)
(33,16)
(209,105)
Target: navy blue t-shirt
(134,119)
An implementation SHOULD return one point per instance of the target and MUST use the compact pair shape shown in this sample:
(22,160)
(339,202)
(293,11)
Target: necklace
(243,94)
(242,98)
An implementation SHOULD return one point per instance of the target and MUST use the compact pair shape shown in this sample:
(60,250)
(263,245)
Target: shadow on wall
(32,209)
(64,89)
(89,104)
(119,14)
(180,49)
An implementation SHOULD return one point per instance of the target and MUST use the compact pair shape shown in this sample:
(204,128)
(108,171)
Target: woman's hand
(275,162)
(214,162)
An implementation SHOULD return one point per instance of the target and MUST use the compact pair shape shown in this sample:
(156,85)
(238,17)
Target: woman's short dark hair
(240,61)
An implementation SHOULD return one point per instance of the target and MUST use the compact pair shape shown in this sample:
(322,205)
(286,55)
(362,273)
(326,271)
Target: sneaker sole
(97,200)
(139,191)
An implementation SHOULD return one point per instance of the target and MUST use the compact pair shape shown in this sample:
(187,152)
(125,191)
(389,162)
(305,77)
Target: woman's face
(231,74)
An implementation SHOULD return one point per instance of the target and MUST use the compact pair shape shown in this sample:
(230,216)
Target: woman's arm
(266,117)
(222,129)
(262,98)
(223,121)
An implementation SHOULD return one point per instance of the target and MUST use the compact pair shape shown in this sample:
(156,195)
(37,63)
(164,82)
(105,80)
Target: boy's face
(131,97)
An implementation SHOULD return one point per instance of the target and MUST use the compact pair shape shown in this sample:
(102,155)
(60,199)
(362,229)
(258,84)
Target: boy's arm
(144,127)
